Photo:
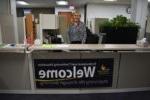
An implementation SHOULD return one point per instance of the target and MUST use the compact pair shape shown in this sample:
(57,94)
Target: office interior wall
(106,11)
(0,35)
(148,25)
(7,28)
(149,10)
(63,28)
(139,15)
(95,24)
(62,9)
(21,29)
(148,29)
(12,5)
(8,9)
(35,11)
(20,12)
(5,9)
(38,31)
(49,21)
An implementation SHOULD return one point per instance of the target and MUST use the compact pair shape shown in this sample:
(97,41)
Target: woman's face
(76,17)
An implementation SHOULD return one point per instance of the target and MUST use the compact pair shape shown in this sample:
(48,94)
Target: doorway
(65,20)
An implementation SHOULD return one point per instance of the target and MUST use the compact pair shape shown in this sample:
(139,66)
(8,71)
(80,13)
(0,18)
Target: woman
(77,31)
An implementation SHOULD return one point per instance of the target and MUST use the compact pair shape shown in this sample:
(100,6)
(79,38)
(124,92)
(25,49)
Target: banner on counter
(73,73)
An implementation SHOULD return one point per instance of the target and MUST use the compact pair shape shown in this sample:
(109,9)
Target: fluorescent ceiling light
(22,3)
(110,0)
(62,2)
(71,7)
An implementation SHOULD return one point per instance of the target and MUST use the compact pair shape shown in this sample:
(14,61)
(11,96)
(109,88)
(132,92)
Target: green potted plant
(119,30)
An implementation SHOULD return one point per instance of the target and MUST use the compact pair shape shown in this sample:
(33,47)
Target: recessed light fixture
(22,3)
(110,0)
(61,2)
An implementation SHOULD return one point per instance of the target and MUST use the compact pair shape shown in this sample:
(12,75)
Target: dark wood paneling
(35,11)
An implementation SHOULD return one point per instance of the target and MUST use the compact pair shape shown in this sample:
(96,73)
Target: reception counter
(13,67)
(99,47)
(74,68)
(16,48)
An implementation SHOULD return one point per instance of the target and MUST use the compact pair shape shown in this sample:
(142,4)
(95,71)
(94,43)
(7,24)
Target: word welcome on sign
(73,73)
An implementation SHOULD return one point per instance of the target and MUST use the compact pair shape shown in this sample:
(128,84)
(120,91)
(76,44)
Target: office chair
(91,38)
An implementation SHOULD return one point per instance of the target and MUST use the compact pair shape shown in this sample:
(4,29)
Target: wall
(14,14)
(7,28)
(4,10)
(148,26)
(149,9)
(35,11)
(98,11)
(62,9)
(139,15)
(8,21)
(21,29)
(106,11)
(0,35)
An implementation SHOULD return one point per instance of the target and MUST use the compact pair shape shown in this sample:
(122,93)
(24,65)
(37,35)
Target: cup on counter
(37,42)
(143,42)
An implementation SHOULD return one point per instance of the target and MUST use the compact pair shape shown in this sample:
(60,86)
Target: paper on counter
(47,46)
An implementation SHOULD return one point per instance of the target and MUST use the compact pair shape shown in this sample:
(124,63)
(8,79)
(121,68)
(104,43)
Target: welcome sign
(73,73)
